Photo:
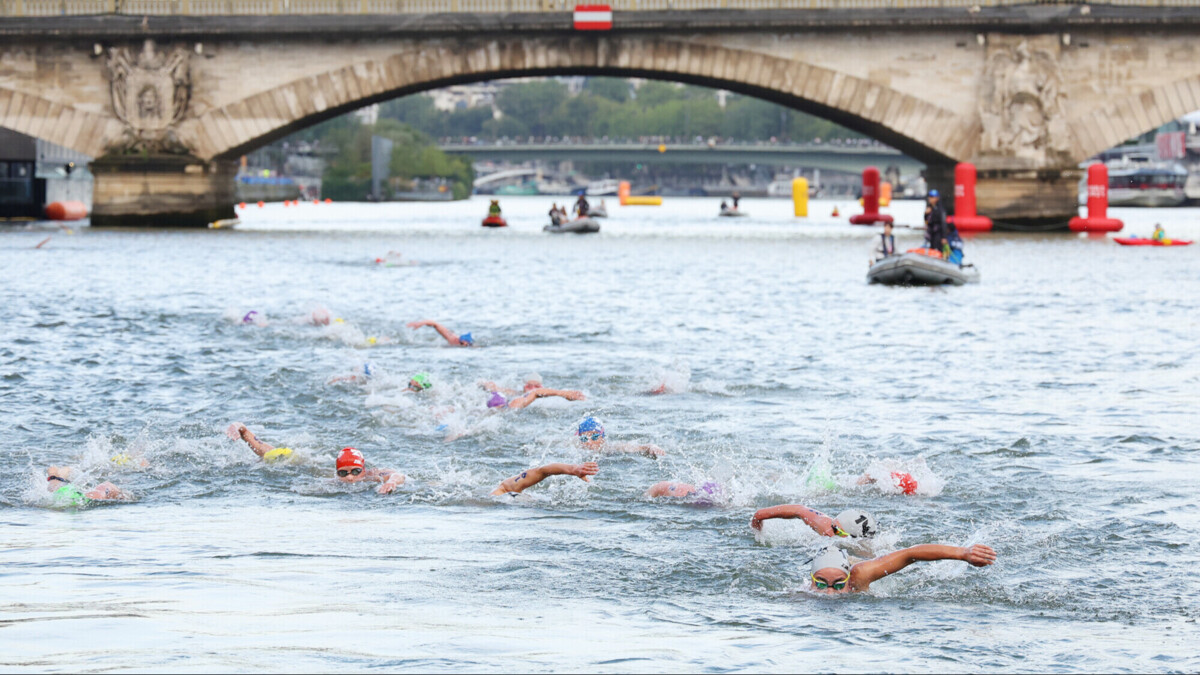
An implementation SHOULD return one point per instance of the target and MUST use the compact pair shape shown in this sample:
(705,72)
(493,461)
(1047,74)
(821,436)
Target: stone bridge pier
(168,103)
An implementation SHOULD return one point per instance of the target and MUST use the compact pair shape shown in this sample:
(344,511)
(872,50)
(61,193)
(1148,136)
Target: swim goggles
(57,478)
(588,437)
(821,584)
(837,529)
(349,472)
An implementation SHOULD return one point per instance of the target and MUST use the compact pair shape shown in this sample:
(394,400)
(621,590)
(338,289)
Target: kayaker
(831,571)
(935,222)
(887,243)
(1159,232)
(555,218)
(849,523)
(582,206)
(494,208)
(455,340)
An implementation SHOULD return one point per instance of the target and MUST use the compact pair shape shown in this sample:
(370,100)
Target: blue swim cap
(497,400)
(367,369)
(466,337)
(589,424)
(934,193)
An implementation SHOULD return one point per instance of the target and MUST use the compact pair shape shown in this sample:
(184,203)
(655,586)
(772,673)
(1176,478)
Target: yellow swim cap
(277,454)
(121,459)
(339,321)
(371,340)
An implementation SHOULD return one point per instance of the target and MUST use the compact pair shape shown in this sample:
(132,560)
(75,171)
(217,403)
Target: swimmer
(58,481)
(265,451)
(527,479)
(591,436)
(419,383)
(498,400)
(352,468)
(703,495)
(831,571)
(849,523)
(360,375)
(254,318)
(532,381)
(464,340)
(900,479)
(318,317)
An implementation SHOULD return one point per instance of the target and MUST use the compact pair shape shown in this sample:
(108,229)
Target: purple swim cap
(497,400)
(249,318)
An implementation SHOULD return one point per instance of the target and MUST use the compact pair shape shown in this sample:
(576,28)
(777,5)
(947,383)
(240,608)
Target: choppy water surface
(1050,411)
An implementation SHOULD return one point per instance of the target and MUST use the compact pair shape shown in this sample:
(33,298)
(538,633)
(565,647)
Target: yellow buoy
(642,201)
(800,197)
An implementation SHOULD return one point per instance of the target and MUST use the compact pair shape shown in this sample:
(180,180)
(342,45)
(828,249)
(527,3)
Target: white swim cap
(857,523)
(830,557)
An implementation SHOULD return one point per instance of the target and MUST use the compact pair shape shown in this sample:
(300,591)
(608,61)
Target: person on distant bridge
(494,208)
(582,206)
(455,340)
(935,222)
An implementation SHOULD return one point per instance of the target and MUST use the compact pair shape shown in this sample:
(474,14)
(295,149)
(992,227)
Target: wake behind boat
(917,269)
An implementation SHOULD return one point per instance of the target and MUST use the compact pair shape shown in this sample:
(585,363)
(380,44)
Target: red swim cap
(905,482)
(350,458)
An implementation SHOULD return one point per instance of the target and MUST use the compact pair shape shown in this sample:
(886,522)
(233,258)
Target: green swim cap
(69,495)
(820,478)
(422,379)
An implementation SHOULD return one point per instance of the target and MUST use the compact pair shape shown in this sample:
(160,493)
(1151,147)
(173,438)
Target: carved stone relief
(150,93)
(1021,104)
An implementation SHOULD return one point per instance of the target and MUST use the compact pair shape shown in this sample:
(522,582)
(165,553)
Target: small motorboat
(920,269)
(495,221)
(1138,241)
(733,213)
(585,225)
(598,212)
(224,224)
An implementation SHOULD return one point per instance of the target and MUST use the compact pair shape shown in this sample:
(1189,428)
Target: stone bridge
(168,102)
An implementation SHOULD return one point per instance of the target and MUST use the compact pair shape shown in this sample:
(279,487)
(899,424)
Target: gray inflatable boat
(598,212)
(733,213)
(577,226)
(914,269)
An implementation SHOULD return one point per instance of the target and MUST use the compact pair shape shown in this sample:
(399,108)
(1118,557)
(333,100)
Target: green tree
(532,102)
(611,88)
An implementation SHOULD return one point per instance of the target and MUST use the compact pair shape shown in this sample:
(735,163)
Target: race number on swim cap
(497,400)
(830,558)
(857,523)
(350,458)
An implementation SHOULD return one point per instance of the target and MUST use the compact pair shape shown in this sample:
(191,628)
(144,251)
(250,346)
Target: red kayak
(1138,241)
(494,221)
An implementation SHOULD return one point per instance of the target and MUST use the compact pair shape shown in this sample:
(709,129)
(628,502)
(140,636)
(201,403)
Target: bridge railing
(14,8)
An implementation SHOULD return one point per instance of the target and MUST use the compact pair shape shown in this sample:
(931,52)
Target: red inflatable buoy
(70,210)
(870,198)
(1097,204)
(965,218)
(494,221)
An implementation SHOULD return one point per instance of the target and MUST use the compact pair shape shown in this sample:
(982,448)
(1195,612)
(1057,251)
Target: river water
(1049,411)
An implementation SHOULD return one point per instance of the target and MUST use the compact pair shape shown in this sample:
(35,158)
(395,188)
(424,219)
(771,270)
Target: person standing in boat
(582,206)
(886,245)
(935,222)
(737,196)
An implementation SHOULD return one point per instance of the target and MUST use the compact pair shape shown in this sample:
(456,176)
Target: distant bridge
(809,156)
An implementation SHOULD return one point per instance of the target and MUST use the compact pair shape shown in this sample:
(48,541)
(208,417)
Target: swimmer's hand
(583,470)
(652,451)
(572,395)
(756,523)
(420,324)
(979,555)
(393,481)
(865,480)
(235,430)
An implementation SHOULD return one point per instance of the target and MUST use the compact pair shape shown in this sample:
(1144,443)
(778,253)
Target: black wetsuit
(935,226)
(582,207)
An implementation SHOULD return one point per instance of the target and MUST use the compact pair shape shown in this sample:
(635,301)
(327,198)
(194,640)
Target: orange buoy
(316,201)
(835,213)
(328,200)
(261,204)
(69,210)
(241,205)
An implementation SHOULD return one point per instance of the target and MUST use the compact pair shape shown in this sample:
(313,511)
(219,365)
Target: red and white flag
(593,17)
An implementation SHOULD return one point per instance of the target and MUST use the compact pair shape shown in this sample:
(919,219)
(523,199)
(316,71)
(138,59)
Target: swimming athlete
(527,479)
(532,381)
(831,571)
(703,495)
(352,468)
(464,340)
(591,435)
(849,523)
(360,374)
(58,481)
(498,400)
(267,452)
(419,383)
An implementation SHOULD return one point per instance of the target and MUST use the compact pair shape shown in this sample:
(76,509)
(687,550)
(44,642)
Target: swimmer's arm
(106,492)
(446,333)
(542,392)
(390,479)
(862,574)
(530,477)
(245,434)
(819,522)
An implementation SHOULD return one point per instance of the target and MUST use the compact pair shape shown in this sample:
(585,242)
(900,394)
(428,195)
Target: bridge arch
(916,127)
(51,121)
(1131,116)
